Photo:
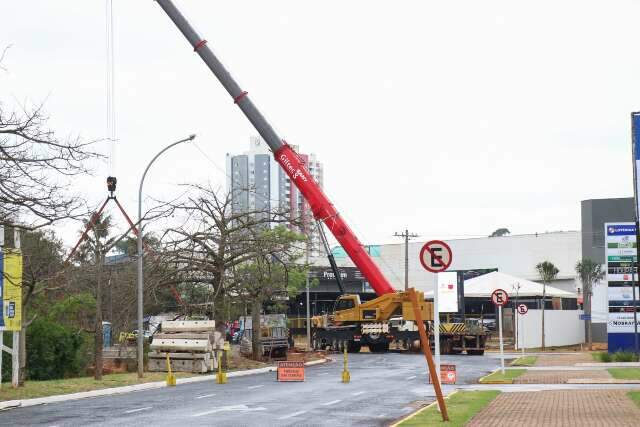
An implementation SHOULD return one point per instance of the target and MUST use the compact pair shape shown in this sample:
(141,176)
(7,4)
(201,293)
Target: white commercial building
(515,255)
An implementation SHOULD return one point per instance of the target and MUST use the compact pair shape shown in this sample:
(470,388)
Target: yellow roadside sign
(11,288)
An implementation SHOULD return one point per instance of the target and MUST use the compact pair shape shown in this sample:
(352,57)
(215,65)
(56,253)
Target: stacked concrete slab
(191,345)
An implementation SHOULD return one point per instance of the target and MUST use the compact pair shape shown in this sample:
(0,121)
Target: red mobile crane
(410,304)
(374,323)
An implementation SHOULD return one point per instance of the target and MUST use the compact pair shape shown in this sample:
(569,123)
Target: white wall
(562,327)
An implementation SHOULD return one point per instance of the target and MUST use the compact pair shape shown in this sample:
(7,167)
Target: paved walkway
(560,408)
(560,377)
(563,359)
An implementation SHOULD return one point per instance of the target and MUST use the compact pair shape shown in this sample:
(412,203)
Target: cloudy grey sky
(449,118)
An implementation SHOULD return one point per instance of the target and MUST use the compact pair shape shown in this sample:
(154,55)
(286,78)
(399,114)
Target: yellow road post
(221,376)
(346,376)
(171,378)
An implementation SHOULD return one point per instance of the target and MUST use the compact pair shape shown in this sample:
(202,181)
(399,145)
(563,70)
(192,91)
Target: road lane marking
(324,373)
(333,402)
(244,408)
(251,387)
(411,377)
(295,414)
(205,395)
(131,411)
(357,393)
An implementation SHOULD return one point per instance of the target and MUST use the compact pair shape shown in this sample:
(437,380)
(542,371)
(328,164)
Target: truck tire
(382,347)
(353,347)
(446,346)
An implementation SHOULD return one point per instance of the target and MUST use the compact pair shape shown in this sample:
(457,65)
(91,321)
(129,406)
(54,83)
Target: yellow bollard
(221,377)
(346,376)
(171,378)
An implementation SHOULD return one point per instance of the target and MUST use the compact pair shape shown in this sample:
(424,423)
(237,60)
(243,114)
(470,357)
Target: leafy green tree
(53,351)
(42,262)
(274,270)
(590,273)
(547,272)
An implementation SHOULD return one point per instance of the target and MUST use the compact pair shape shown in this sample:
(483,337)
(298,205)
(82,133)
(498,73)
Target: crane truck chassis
(389,319)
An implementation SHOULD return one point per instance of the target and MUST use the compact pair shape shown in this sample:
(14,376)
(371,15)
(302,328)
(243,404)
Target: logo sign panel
(499,297)
(523,309)
(290,371)
(436,256)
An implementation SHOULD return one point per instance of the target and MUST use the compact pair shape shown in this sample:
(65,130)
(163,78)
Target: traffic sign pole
(436,328)
(500,297)
(501,343)
(522,309)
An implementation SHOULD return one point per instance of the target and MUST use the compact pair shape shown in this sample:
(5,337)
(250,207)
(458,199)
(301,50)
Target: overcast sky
(449,118)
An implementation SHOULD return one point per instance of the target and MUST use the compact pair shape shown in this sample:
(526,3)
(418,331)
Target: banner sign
(11,289)
(290,371)
(448,374)
(448,292)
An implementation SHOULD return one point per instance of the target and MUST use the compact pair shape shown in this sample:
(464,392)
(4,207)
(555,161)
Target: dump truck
(274,335)
(353,323)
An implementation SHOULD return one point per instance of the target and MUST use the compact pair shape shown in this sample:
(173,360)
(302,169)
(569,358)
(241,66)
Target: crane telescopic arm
(323,210)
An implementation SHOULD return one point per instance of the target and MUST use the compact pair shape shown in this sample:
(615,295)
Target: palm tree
(93,251)
(547,272)
(590,273)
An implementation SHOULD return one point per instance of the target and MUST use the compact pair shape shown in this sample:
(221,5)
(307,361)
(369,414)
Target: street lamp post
(140,337)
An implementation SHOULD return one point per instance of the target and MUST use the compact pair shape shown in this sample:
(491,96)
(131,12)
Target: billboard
(11,289)
(621,272)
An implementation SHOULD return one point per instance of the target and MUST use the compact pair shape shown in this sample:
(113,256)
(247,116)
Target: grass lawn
(33,389)
(509,375)
(461,407)
(597,356)
(635,396)
(524,361)
(625,373)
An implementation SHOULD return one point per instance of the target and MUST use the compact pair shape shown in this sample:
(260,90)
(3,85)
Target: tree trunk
(587,311)
(256,342)
(544,297)
(98,338)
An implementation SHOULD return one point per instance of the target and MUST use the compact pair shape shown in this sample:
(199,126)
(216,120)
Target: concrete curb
(8,404)
(610,365)
(482,379)
(601,381)
(424,408)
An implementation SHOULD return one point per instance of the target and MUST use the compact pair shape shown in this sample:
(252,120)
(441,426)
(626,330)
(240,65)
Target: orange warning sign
(448,374)
(291,371)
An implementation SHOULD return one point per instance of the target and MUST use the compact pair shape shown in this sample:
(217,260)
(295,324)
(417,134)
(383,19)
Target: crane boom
(322,209)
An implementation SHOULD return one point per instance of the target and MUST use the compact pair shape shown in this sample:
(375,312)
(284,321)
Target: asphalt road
(383,387)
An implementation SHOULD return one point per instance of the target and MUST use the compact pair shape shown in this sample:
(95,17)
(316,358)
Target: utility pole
(406,237)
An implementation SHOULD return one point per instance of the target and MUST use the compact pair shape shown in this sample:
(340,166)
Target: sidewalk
(559,408)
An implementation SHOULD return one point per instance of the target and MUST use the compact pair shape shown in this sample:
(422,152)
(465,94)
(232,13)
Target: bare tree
(36,166)
(213,239)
